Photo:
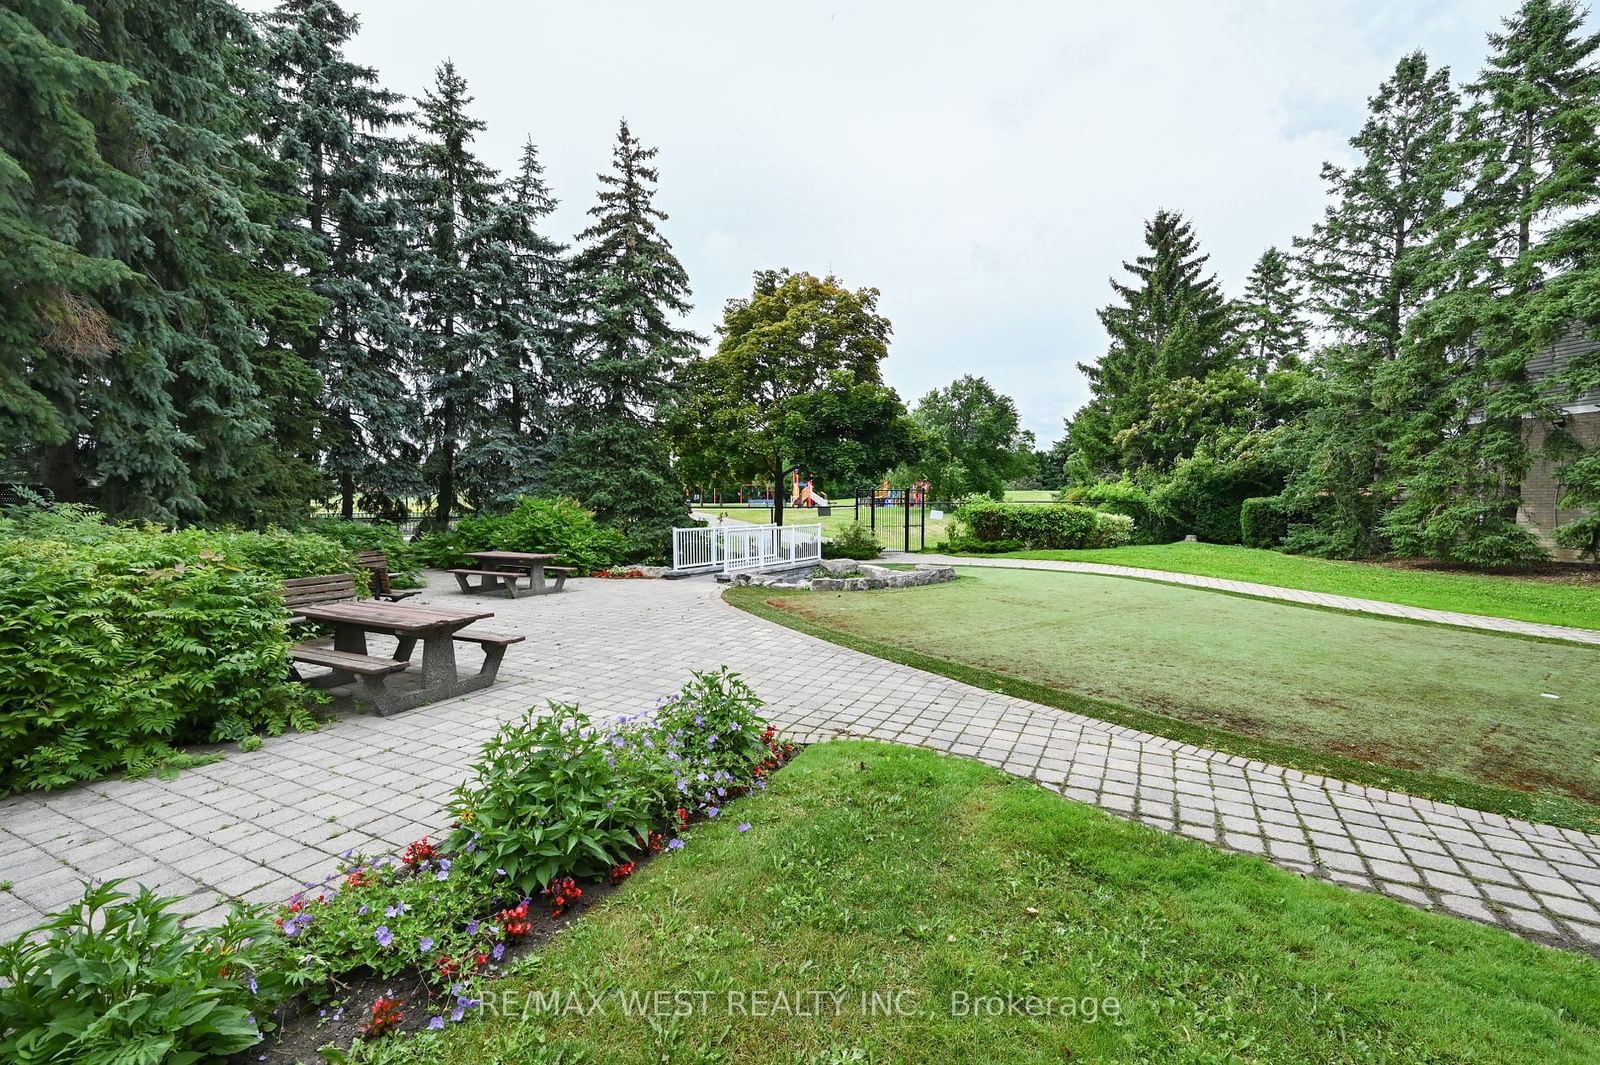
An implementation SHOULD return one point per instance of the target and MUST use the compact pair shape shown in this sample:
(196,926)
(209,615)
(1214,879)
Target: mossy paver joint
(260,825)
(1272,591)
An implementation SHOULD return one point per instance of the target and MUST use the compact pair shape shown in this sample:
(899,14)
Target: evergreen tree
(1529,139)
(174,425)
(329,129)
(631,290)
(520,329)
(451,196)
(1364,267)
(65,212)
(1172,322)
(1271,321)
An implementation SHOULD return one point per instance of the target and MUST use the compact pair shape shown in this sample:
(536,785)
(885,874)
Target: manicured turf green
(1451,713)
(880,869)
(1574,602)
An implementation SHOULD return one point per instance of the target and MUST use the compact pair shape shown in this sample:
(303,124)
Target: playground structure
(889,496)
(805,494)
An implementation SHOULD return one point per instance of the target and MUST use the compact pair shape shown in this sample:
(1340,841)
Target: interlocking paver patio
(255,824)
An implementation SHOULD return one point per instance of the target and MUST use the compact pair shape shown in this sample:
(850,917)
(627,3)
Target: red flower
(419,852)
(386,1015)
(621,872)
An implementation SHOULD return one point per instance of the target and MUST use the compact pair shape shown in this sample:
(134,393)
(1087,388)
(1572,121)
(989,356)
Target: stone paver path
(257,825)
(1272,591)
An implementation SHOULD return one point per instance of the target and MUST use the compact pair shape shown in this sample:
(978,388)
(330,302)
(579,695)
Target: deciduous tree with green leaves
(980,442)
(795,382)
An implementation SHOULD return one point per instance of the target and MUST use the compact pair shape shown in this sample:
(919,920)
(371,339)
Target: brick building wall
(1542,491)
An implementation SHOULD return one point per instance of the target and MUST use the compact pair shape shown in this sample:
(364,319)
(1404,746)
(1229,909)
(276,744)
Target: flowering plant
(549,798)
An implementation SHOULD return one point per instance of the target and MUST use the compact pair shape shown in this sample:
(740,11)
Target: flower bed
(559,812)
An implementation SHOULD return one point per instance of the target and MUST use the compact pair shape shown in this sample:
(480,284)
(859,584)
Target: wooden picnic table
(502,568)
(439,628)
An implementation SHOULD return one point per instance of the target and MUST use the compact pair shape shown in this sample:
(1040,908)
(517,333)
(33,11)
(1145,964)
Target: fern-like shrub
(120,643)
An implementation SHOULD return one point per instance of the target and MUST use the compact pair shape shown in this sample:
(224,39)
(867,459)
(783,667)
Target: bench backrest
(328,588)
(378,564)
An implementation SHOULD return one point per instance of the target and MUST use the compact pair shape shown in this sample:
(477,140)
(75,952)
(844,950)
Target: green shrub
(555,526)
(118,642)
(550,798)
(1112,530)
(1263,521)
(357,536)
(1048,526)
(110,653)
(116,978)
(1205,494)
(856,540)
(1152,522)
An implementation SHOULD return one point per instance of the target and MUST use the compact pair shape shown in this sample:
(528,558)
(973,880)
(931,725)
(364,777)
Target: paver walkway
(1271,591)
(257,825)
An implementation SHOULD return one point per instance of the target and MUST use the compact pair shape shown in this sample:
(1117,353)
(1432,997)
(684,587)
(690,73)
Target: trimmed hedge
(1263,521)
(1152,522)
(1038,527)
(119,642)
(357,536)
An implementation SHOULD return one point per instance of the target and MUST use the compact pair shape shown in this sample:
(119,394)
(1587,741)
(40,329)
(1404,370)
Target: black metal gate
(899,516)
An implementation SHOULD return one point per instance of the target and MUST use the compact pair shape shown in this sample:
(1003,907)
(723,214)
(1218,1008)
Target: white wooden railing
(735,548)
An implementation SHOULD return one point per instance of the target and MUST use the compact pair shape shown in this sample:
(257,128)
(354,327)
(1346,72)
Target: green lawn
(877,869)
(1453,713)
(1574,601)
(890,522)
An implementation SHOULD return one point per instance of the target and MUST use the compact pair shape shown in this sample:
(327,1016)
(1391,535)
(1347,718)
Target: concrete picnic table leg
(536,579)
(438,659)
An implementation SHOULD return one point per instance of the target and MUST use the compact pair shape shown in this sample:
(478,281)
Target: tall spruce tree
(626,345)
(1364,265)
(519,326)
(1172,323)
(451,195)
(1529,138)
(1271,319)
(173,426)
(329,129)
(65,212)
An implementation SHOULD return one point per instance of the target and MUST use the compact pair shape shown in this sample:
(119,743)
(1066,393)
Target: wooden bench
(377,563)
(490,580)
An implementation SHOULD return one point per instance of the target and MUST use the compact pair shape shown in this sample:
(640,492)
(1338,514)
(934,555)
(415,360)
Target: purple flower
(396,910)
(426,944)
(363,911)
(435,1023)
(711,740)
(744,826)
(722,792)
(457,1013)
(444,870)
(498,952)
(499,872)
(472,928)
(674,844)
(712,811)
(383,936)
(253,988)
(683,786)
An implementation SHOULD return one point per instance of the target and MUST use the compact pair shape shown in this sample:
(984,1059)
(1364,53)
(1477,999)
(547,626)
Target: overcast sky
(987,166)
